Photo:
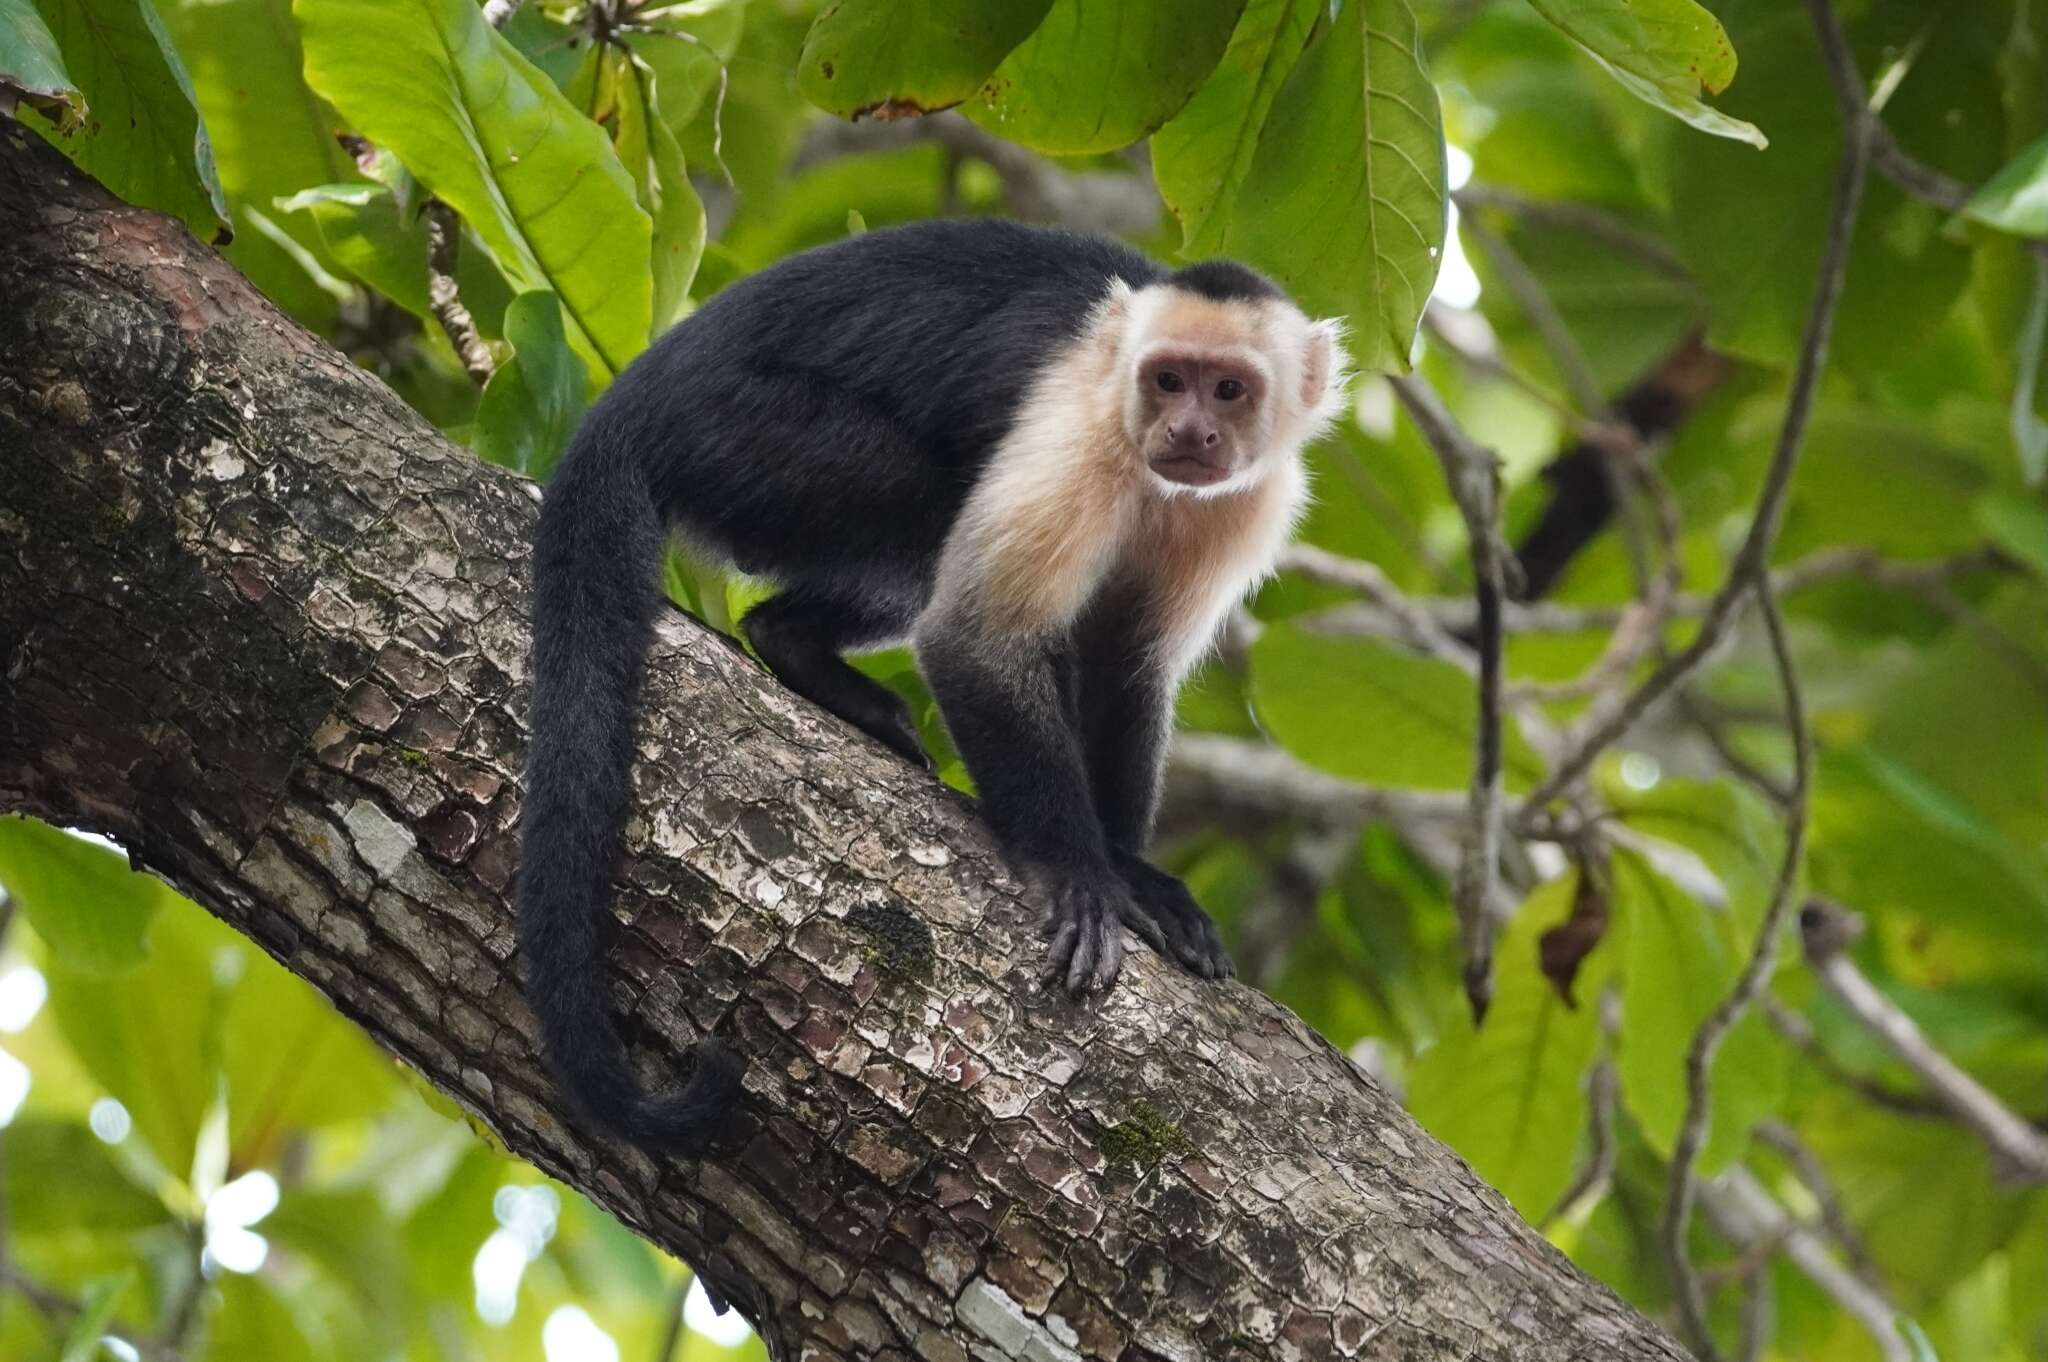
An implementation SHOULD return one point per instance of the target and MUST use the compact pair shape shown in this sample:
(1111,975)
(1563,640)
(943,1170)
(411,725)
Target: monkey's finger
(1058,953)
(1146,926)
(1087,946)
(1112,955)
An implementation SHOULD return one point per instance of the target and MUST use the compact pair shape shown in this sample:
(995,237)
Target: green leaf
(82,1343)
(1344,203)
(2016,198)
(32,67)
(253,1320)
(1662,51)
(360,227)
(154,1041)
(145,139)
(1726,824)
(1677,968)
(532,403)
(1201,157)
(81,897)
(1096,77)
(59,1177)
(313,1069)
(1370,712)
(489,133)
(2019,527)
(654,159)
(1509,1096)
(903,57)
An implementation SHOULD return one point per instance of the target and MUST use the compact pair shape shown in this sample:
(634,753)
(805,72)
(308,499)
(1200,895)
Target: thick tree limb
(268,629)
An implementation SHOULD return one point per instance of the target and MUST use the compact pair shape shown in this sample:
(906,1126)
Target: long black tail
(596,565)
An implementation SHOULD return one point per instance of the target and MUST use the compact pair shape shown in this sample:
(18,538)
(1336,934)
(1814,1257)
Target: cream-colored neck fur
(1068,506)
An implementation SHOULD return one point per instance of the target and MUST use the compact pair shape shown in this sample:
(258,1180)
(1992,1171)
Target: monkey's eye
(1229,390)
(1171,382)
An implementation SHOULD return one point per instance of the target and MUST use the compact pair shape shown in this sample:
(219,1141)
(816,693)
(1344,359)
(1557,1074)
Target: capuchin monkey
(1049,463)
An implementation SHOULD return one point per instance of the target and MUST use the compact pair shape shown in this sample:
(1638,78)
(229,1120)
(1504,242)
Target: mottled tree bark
(268,629)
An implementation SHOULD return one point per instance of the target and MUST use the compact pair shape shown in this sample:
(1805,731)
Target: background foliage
(201,1160)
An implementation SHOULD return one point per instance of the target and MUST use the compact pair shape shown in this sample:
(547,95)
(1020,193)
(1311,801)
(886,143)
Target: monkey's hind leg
(800,635)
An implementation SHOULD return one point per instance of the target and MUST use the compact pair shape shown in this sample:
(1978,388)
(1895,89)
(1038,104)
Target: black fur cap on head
(1226,281)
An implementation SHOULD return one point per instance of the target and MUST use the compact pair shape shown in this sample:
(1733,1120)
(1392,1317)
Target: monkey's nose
(1212,439)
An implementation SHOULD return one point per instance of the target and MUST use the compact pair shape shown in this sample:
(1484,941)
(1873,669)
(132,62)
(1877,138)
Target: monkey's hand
(1086,912)
(1178,928)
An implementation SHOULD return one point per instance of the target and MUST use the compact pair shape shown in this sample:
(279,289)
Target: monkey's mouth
(1191,470)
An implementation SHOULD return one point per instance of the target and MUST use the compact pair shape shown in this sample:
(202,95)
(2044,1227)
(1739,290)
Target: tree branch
(444,241)
(1474,481)
(2018,1147)
(262,625)
(1755,977)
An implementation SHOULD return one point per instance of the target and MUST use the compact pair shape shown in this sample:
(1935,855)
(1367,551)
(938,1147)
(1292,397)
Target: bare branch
(2019,1149)
(1834,1217)
(1587,220)
(1748,1215)
(1798,1031)
(1417,626)
(444,242)
(1535,303)
(1699,1057)
(1473,476)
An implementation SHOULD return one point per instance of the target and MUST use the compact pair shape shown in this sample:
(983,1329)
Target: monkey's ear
(1325,366)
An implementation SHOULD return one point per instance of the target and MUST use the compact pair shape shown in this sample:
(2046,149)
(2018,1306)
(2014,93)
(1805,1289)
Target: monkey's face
(1200,415)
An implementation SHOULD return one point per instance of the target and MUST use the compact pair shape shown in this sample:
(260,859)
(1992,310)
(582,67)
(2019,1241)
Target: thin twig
(1813,1176)
(1798,1031)
(2018,1148)
(1748,1215)
(1534,301)
(1588,221)
(1419,628)
(1699,1057)
(1759,1315)
(1455,615)
(1589,741)
(1473,476)
(444,242)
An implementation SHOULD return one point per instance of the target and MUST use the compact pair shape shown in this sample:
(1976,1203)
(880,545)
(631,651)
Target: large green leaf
(1362,709)
(899,57)
(534,400)
(144,138)
(2016,198)
(81,898)
(1344,202)
(312,1069)
(32,68)
(1662,51)
(59,1178)
(1095,77)
(489,133)
(1202,156)
(153,1041)
(1509,1096)
(652,156)
(1677,968)
(1754,251)
(360,227)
